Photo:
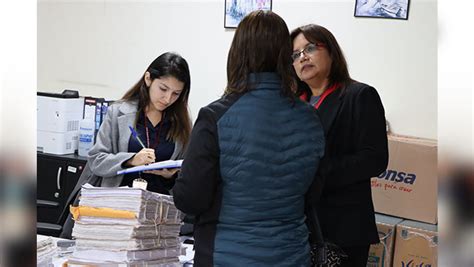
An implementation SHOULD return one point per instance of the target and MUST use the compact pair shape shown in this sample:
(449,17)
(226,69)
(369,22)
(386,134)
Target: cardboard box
(416,245)
(409,187)
(381,254)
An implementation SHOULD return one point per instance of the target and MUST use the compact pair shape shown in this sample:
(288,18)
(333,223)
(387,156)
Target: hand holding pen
(144,156)
(135,135)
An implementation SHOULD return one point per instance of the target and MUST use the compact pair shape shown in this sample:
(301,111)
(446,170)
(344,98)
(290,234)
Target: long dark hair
(261,44)
(171,65)
(339,72)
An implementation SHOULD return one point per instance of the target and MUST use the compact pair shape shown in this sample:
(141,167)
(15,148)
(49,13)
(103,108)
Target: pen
(134,134)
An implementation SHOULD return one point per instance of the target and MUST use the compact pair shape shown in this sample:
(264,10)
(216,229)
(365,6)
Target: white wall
(101,48)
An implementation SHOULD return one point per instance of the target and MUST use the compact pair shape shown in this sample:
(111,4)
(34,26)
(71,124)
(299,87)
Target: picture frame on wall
(236,10)
(389,9)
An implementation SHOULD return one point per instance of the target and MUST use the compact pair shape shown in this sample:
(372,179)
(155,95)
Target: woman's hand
(165,173)
(144,156)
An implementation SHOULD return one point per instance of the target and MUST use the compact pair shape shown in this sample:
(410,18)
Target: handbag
(323,253)
(327,254)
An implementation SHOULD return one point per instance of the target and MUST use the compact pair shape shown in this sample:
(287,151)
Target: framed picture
(236,10)
(391,9)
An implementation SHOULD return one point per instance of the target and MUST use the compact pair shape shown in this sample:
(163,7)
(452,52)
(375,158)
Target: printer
(58,121)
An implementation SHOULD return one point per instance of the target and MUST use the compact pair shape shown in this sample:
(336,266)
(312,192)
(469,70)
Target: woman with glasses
(252,157)
(356,142)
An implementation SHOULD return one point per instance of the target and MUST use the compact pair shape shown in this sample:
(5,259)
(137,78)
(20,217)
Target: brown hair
(317,34)
(167,65)
(261,44)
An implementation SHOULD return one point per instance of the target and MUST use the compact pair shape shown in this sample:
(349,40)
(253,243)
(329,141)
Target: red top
(326,92)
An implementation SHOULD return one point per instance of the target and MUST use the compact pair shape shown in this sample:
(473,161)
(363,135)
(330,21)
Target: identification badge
(140,183)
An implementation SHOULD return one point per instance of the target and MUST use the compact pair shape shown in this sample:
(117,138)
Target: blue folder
(167,164)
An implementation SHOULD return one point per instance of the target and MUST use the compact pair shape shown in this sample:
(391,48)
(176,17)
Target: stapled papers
(147,236)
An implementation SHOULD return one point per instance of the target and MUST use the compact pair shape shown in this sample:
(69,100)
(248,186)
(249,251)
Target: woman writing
(156,106)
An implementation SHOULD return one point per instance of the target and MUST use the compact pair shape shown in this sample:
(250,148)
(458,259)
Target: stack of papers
(125,232)
(45,250)
(159,263)
(132,244)
(125,227)
(147,207)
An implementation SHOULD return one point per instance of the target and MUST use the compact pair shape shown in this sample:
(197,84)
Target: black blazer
(356,150)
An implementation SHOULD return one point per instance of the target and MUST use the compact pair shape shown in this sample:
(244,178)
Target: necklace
(157,133)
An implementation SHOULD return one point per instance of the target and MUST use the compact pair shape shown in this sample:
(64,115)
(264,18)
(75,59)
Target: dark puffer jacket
(249,164)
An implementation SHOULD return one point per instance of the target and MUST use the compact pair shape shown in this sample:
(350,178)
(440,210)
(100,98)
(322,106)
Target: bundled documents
(154,263)
(125,232)
(127,255)
(45,250)
(125,227)
(131,244)
(125,205)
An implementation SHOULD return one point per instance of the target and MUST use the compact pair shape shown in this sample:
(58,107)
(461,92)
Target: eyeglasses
(309,49)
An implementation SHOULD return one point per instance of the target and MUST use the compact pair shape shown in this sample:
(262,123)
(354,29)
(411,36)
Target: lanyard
(157,134)
(326,92)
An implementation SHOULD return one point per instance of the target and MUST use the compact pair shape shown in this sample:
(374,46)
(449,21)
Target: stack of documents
(45,250)
(125,227)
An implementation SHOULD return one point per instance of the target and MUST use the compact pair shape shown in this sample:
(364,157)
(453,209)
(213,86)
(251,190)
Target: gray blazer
(111,148)
(109,152)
